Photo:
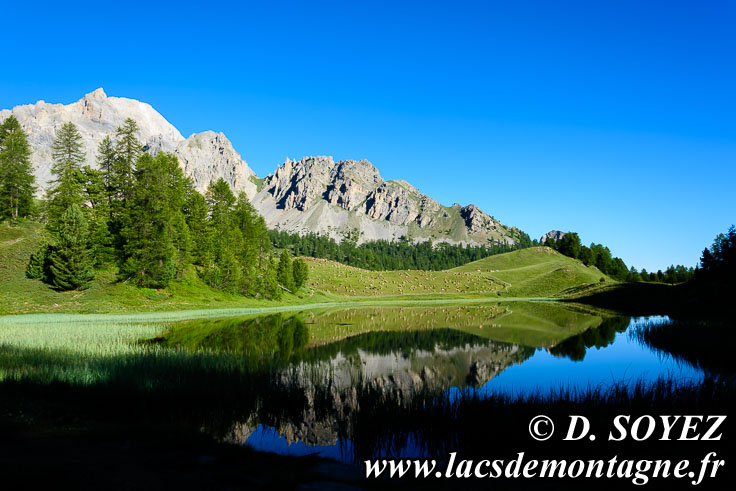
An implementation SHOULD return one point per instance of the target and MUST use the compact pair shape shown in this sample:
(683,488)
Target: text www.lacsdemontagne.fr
(639,472)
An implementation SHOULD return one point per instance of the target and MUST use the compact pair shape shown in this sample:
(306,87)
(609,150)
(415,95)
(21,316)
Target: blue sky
(613,119)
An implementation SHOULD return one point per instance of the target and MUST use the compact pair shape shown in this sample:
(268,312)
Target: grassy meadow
(535,272)
(87,372)
(529,273)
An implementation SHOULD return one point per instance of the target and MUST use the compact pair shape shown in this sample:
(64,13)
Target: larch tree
(97,212)
(17,182)
(127,151)
(223,268)
(155,235)
(119,169)
(105,162)
(70,262)
(67,153)
(284,271)
(301,272)
(195,214)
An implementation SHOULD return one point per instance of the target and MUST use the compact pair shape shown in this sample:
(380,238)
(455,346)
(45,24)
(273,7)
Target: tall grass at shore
(97,376)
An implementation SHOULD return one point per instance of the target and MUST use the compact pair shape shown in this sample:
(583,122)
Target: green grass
(535,272)
(257,181)
(19,294)
(529,273)
(339,279)
(533,324)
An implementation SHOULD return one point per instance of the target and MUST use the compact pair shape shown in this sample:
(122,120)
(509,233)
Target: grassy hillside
(19,294)
(534,272)
(340,279)
(537,272)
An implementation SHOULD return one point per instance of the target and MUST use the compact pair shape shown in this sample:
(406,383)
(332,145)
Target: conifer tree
(246,221)
(119,167)
(224,269)
(127,151)
(7,126)
(220,200)
(182,242)
(67,153)
(38,267)
(98,216)
(106,160)
(269,282)
(284,272)
(301,272)
(153,244)
(195,213)
(105,163)
(70,263)
(17,182)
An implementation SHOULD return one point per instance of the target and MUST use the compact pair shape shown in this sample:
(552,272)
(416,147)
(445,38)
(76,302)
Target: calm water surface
(503,348)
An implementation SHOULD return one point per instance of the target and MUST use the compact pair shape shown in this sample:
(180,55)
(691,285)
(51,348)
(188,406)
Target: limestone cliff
(204,156)
(350,199)
(344,200)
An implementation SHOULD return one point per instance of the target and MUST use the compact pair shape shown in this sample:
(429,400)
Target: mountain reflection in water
(336,358)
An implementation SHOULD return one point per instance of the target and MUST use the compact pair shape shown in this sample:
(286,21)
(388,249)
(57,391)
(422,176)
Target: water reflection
(691,342)
(343,361)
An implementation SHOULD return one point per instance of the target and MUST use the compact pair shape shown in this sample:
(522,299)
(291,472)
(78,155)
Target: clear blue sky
(613,119)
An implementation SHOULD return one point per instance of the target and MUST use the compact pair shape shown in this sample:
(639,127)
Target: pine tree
(285,273)
(70,263)
(106,161)
(127,151)
(195,213)
(269,281)
(9,125)
(231,271)
(119,178)
(67,153)
(98,216)
(301,272)
(152,248)
(246,220)
(17,182)
(220,200)
(39,265)
(182,243)
(225,270)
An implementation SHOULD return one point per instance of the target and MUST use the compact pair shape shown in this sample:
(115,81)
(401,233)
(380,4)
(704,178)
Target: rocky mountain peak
(552,234)
(297,184)
(208,156)
(96,94)
(97,115)
(476,220)
(348,198)
(317,194)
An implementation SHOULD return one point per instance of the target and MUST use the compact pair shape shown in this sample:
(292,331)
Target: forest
(383,255)
(600,256)
(140,214)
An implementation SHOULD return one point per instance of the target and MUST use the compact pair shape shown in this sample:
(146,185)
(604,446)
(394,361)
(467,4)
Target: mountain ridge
(346,199)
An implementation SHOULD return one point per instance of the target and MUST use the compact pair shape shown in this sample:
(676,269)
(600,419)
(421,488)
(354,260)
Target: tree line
(142,214)
(718,263)
(383,255)
(600,256)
